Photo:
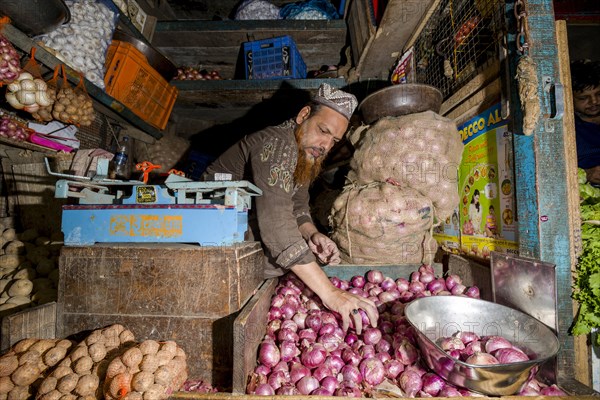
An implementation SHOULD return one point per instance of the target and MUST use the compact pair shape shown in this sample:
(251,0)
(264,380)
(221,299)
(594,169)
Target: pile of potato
(28,268)
(81,374)
(73,107)
(23,367)
(150,370)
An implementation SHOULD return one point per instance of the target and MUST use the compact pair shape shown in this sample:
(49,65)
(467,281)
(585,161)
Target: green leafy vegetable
(587,280)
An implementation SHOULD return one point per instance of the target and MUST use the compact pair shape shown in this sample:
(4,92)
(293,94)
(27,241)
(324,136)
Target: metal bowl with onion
(156,59)
(442,316)
(35,17)
(397,100)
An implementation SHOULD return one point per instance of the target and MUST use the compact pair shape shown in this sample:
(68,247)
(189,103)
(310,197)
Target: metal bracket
(555,91)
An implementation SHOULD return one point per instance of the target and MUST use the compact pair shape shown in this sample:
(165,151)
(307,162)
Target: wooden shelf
(215,45)
(102,101)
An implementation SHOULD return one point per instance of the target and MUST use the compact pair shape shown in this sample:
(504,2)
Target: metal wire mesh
(98,135)
(461,38)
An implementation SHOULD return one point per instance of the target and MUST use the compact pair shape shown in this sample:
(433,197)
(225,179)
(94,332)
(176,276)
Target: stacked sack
(404,181)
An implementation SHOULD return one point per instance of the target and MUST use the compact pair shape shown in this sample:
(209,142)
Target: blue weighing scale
(180,211)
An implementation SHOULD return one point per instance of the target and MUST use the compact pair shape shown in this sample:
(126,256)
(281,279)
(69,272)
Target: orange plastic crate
(131,80)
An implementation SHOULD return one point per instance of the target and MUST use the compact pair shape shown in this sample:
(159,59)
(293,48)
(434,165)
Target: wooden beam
(478,102)
(475,84)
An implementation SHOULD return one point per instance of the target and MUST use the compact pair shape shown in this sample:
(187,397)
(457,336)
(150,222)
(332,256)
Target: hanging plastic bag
(29,91)
(44,114)
(257,9)
(73,104)
(310,9)
(10,64)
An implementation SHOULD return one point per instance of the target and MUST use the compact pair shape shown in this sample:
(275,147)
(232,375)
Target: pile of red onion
(10,62)
(12,130)
(305,351)
(194,74)
(487,350)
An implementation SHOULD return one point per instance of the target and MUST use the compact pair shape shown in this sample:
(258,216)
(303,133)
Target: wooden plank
(361,27)
(543,212)
(399,21)
(155,279)
(248,332)
(417,31)
(475,84)
(476,103)
(582,368)
(37,322)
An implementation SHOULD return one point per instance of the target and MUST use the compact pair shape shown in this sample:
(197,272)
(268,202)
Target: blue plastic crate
(274,58)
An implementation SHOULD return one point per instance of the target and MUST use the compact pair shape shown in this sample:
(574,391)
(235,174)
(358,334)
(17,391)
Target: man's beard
(307,168)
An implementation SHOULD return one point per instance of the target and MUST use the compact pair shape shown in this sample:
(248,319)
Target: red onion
(264,389)
(298,371)
(335,363)
(375,276)
(348,392)
(274,313)
(288,350)
(466,337)
(386,297)
(287,390)
(383,346)
(416,368)
(436,285)
(474,347)
(277,379)
(344,285)
(358,281)
(307,334)
(8,53)
(330,383)
(367,351)
(451,343)
(351,373)
(456,354)
(286,291)
(402,284)
(452,280)
(327,329)
(426,277)
(328,318)
(321,391)
(482,359)
(277,300)
(330,341)
(335,281)
(262,370)
(449,391)
(393,368)
(426,268)
(287,311)
(528,391)
(321,372)
(351,338)
(508,356)
(350,357)
(494,343)
(293,301)
(410,382)
(414,276)
(398,307)
(383,357)
(299,319)
(374,292)
(273,327)
(473,292)
(268,353)
(388,284)
(371,336)
(286,334)
(432,384)
(313,320)
(458,289)
(416,287)
(307,384)
(552,390)
(314,355)
(406,353)
(289,325)
(372,371)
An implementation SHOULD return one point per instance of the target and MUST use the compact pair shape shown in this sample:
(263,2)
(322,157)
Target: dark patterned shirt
(268,159)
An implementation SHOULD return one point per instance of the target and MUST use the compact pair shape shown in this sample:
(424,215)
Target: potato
(10,260)
(43,345)
(132,357)
(28,235)
(149,363)
(83,365)
(8,306)
(8,363)
(55,355)
(3,284)
(6,384)
(134,396)
(142,381)
(9,234)
(3,300)
(155,392)
(25,375)
(79,351)
(87,385)
(19,393)
(163,375)
(25,273)
(53,395)
(120,385)
(149,346)
(67,383)
(20,287)
(61,371)
(126,336)
(115,367)
(47,385)
(18,300)
(97,352)
(30,356)
(15,247)
(45,266)
(94,337)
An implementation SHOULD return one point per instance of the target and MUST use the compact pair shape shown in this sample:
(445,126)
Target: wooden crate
(36,322)
(186,293)
(249,327)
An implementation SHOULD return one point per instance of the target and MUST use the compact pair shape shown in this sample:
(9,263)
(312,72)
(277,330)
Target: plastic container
(40,140)
(275,58)
(131,80)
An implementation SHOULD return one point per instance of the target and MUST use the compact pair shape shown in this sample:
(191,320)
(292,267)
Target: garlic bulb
(28,93)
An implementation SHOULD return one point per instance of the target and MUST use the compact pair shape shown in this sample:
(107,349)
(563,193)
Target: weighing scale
(211,213)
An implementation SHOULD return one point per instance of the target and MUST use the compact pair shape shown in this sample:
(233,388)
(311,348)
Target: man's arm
(323,247)
(336,299)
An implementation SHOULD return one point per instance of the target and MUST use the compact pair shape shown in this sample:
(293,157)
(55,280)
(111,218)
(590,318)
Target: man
(282,161)
(585,77)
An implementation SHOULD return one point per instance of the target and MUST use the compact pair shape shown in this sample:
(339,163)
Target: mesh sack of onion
(381,223)
(306,352)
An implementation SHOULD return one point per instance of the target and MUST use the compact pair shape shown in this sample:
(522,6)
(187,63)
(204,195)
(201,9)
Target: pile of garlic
(28,361)
(82,43)
(28,93)
(28,269)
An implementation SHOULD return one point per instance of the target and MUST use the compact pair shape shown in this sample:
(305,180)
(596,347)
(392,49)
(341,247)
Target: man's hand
(324,248)
(593,174)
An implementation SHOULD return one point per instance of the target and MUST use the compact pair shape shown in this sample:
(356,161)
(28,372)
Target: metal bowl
(35,17)
(442,316)
(156,59)
(397,100)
